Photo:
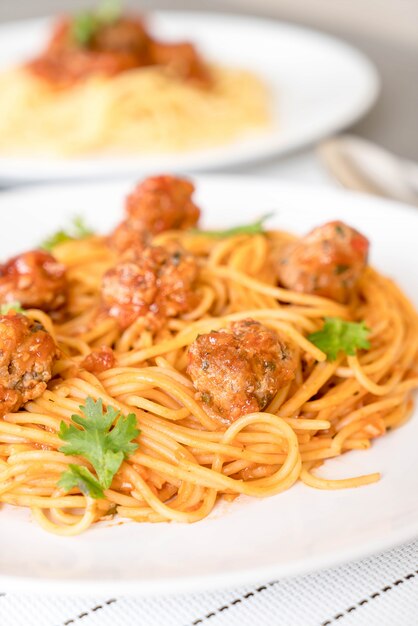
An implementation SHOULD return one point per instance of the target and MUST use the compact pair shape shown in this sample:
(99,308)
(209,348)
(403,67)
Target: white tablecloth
(378,591)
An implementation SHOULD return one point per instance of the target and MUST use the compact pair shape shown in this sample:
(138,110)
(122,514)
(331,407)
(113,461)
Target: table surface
(393,120)
(380,591)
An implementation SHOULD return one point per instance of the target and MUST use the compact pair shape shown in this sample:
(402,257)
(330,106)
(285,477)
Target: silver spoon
(364,166)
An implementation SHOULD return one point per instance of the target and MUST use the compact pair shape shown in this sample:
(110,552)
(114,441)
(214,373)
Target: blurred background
(385,30)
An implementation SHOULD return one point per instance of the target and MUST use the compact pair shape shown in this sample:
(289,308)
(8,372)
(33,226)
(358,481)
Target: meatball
(182,59)
(99,360)
(327,262)
(127,241)
(162,203)
(123,36)
(126,35)
(157,204)
(239,370)
(111,49)
(27,353)
(157,285)
(35,279)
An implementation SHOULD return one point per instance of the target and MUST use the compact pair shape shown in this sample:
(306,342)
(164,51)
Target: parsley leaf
(337,336)
(104,439)
(79,476)
(255,228)
(83,28)
(11,306)
(86,24)
(76,230)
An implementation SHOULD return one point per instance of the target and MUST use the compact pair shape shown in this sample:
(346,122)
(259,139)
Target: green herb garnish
(105,439)
(337,336)
(11,306)
(255,228)
(79,476)
(86,24)
(76,230)
(83,28)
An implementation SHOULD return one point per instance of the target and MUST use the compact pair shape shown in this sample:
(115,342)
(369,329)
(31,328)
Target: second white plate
(247,540)
(318,84)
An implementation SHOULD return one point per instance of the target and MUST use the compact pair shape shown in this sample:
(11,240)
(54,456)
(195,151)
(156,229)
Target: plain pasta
(143,110)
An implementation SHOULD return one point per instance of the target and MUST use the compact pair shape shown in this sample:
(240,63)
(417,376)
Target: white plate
(248,540)
(319,85)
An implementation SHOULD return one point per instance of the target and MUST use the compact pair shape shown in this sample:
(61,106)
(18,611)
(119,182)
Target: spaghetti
(187,456)
(141,111)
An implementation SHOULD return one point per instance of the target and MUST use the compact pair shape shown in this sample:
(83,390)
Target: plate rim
(202,583)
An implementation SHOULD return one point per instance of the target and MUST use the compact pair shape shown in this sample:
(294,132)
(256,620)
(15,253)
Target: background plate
(247,540)
(319,85)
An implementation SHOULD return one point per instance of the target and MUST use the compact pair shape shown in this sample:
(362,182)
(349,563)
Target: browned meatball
(65,62)
(157,204)
(112,48)
(239,370)
(27,353)
(126,35)
(99,360)
(327,262)
(35,279)
(182,59)
(157,285)
(127,241)
(162,203)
